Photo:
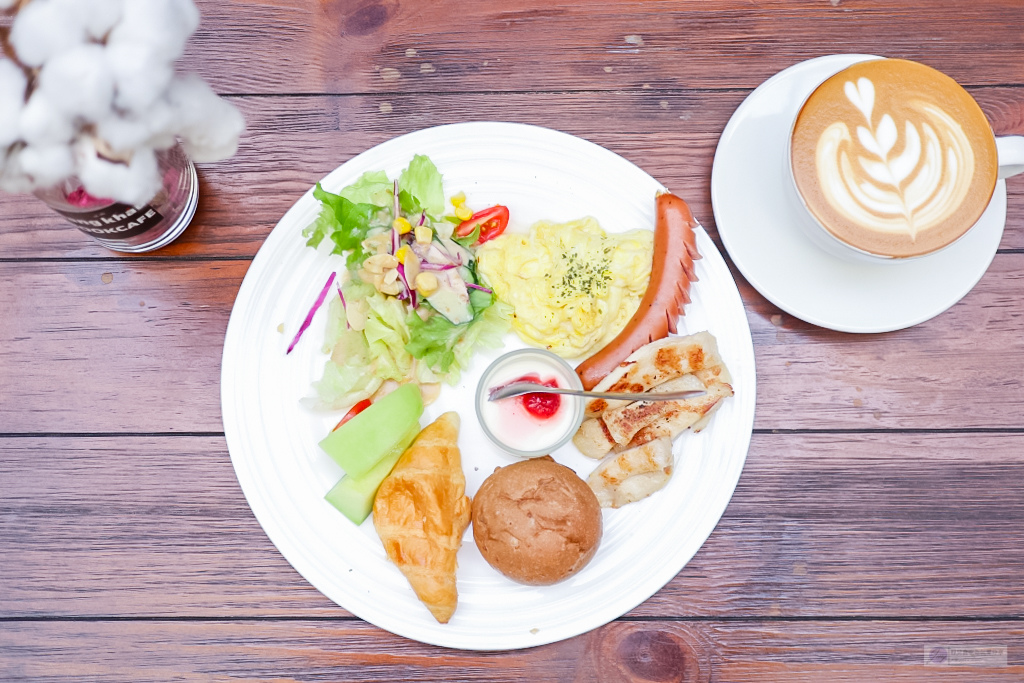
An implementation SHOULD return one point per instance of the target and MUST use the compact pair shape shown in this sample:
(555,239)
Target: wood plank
(335,46)
(293,142)
(850,525)
(746,651)
(152,338)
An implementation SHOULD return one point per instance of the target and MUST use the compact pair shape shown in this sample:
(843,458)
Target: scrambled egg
(573,287)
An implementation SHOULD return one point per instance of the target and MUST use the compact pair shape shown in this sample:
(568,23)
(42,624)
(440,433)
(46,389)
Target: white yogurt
(507,422)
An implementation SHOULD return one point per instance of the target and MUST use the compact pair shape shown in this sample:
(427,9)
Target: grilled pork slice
(681,415)
(643,421)
(629,418)
(633,474)
(655,364)
(592,438)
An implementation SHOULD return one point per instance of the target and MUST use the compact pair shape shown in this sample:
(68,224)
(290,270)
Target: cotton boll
(140,75)
(153,128)
(208,125)
(12,100)
(133,183)
(41,123)
(44,28)
(122,133)
(47,165)
(12,179)
(99,16)
(79,82)
(165,25)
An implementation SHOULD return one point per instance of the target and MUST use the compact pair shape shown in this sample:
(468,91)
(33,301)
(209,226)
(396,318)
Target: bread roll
(536,521)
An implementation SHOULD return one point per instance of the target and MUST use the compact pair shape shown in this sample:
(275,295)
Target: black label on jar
(117,221)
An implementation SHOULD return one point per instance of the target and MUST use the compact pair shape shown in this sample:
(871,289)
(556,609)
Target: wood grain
(878,517)
(345,46)
(293,142)
(657,652)
(77,349)
(833,525)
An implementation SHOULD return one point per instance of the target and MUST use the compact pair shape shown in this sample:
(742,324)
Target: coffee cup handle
(1011,155)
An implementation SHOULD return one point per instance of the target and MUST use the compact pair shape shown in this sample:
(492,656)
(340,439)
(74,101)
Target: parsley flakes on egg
(573,286)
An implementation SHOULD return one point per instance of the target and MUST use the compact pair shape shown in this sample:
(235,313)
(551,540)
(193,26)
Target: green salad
(411,307)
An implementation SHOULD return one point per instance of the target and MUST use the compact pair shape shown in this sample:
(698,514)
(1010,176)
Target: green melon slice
(362,442)
(353,496)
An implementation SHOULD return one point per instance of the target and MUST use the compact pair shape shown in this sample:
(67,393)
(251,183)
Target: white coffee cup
(873,190)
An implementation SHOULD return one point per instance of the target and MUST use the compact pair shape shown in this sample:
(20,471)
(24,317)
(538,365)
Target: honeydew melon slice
(353,496)
(362,442)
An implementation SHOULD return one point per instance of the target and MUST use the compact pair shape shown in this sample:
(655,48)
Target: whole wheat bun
(536,521)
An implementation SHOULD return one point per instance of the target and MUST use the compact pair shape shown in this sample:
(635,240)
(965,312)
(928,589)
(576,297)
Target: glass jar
(121,227)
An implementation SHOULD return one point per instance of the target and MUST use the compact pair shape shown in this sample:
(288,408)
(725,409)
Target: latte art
(906,191)
(893,157)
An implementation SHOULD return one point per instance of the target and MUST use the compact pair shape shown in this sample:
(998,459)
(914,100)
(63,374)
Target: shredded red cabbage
(482,289)
(408,288)
(344,306)
(426,265)
(309,316)
(423,217)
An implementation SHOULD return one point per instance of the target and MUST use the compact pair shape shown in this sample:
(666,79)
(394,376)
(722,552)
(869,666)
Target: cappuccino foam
(893,157)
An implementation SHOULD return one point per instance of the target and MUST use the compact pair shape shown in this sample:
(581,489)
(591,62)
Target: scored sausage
(675,249)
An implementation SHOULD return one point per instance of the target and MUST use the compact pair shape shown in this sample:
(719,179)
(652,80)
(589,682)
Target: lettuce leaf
(345,222)
(373,187)
(386,336)
(423,181)
(348,375)
(446,348)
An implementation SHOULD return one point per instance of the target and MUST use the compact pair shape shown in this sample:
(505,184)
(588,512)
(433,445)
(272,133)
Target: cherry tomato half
(492,222)
(353,411)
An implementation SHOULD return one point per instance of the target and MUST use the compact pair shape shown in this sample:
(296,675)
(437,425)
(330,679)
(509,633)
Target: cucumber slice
(362,442)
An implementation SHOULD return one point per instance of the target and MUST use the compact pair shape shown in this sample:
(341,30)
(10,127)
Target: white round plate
(758,218)
(272,437)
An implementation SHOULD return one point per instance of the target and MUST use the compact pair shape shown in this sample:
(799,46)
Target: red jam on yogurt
(529,424)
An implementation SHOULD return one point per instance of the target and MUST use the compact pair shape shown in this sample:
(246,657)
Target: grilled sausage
(675,249)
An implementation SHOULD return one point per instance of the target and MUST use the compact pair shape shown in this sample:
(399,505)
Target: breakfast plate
(758,216)
(272,435)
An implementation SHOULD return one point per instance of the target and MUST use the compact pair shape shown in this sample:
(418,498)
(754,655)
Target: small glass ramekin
(541,361)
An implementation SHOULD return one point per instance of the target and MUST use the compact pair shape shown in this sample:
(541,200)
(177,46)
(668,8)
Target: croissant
(421,511)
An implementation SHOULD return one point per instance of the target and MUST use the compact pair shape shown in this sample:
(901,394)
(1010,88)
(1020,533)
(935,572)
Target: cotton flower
(42,123)
(79,82)
(98,16)
(99,75)
(12,99)
(140,74)
(163,24)
(134,182)
(208,125)
(44,28)
(12,177)
(47,164)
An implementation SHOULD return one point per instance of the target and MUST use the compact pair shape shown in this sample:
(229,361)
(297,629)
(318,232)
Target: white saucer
(750,192)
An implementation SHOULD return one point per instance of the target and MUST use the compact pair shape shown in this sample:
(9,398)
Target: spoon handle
(519,388)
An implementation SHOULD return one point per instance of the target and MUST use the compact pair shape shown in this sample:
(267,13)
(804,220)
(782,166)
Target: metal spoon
(520,388)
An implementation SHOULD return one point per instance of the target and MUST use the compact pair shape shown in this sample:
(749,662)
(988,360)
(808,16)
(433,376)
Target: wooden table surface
(880,514)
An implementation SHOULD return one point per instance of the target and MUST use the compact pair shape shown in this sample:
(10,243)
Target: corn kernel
(463,213)
(402,253)
(401,225)
(458,199)
(426,283)
(424,234)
